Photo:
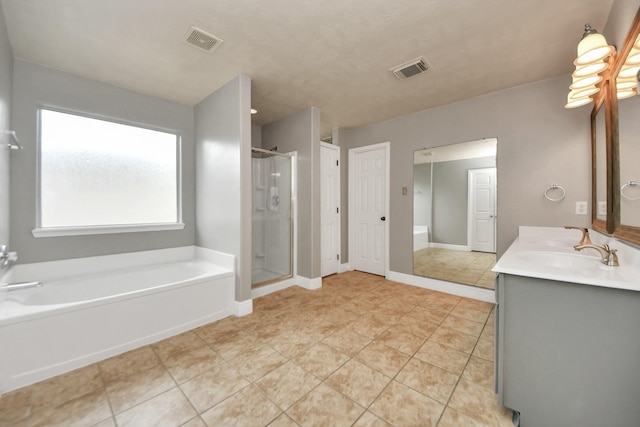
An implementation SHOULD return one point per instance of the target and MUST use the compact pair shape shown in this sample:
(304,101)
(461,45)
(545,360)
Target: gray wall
(223,176)
(539,143)
(6,74)
(35,86)
(301,132)
(451,199)
(619,21)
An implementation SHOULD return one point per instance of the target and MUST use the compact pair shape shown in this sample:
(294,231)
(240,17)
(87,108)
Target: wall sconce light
(590,62)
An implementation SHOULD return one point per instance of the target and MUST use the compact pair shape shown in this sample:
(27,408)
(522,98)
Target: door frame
(351,218)
(339,228)
(470,208)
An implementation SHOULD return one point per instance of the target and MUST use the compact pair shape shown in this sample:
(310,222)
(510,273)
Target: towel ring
(629,184)
(554,187)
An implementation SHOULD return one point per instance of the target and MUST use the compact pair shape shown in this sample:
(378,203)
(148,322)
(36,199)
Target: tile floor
(469,268)
(360,351)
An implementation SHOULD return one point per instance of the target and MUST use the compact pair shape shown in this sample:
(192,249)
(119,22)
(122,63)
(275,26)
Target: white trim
(480,294)
(387,147)
(104,229)
(310,284)
(449,246)
(263,290)
(343,268)
(242,308)
(335,148)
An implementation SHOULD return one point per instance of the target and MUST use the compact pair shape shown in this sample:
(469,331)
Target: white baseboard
(449,246)
(273,287)
(242,308)
(343,268)
(487,295)
(310,284)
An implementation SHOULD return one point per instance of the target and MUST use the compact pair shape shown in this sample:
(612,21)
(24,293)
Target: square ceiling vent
(202,40)
(411,68)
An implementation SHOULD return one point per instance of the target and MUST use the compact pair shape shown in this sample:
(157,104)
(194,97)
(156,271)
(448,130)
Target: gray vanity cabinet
(568,355)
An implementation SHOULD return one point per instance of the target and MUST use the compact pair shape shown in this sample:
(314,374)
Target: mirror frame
(623,232)
(600,102)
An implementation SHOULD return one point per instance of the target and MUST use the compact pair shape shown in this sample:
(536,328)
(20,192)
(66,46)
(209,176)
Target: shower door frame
(293,241)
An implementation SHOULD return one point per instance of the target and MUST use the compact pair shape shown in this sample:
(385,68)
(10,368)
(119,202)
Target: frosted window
(100,173)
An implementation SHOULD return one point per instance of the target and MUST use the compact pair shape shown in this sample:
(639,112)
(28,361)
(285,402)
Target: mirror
(629,153)
(599,159)
(454,212)
(626,137)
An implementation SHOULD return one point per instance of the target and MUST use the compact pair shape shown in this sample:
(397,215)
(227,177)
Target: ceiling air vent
(411,68)
(202,40)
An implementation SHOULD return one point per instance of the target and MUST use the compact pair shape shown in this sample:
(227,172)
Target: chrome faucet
(586,239)
(7,257)
(609,256)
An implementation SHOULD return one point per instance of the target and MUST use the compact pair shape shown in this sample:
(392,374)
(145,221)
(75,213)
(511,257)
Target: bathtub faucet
(7,257)
(20,285)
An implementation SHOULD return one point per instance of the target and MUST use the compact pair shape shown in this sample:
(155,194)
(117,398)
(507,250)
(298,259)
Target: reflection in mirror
(629,149)
(600,164)
(454,212)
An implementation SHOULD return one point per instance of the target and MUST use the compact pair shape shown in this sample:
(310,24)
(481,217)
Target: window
(98,176)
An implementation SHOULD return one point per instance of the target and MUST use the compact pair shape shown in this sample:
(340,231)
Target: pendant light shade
(584,82)
(577,102)
(593,47)
(589,70)
(592,51)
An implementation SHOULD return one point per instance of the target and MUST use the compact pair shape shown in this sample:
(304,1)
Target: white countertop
(548,253)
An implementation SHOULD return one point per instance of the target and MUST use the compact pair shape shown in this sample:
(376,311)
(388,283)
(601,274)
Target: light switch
(404,191)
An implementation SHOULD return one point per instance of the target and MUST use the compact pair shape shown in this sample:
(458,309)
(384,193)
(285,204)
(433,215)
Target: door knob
(383,218)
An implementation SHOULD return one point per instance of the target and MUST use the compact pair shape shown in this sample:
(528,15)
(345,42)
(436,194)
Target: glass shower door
(272,217)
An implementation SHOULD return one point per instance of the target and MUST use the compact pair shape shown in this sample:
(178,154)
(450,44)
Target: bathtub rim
(139,260)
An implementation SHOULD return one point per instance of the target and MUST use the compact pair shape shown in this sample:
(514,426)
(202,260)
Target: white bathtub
(420,237)
(92,308)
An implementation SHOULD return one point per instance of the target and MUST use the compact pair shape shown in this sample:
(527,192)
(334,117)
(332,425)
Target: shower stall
(273,197)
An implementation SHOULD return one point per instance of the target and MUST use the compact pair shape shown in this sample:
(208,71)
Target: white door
(482,209)
(368,208)
(330,208)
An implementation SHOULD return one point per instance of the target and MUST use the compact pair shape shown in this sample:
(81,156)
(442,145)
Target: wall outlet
(602,208)
(581,208)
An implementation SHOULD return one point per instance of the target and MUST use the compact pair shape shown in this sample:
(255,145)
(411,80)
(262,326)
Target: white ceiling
(331,54)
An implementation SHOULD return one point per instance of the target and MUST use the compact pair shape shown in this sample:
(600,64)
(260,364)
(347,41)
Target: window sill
(105,229)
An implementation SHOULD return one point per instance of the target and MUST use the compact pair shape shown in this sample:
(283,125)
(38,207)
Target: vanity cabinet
(567,354)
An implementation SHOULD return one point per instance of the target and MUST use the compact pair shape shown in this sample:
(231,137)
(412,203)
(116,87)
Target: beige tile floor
(360,351)
(469,268)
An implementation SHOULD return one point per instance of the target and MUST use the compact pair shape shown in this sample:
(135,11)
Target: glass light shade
(630,71)
(623,84)
(583,82)
(626,93)
(588,91)
(589,70)
(633,58)
(577,102)
(593,48)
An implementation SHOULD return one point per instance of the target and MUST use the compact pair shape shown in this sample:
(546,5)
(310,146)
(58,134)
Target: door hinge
(337,162)
(338,257)
(337,210)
